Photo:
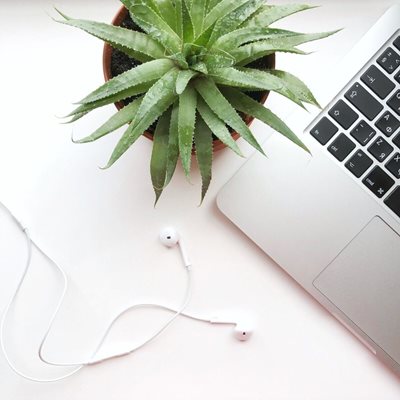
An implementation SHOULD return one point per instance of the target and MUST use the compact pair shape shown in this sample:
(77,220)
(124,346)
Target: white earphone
(243,328)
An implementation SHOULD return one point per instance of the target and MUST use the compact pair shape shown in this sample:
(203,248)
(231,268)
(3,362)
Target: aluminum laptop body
(332,220)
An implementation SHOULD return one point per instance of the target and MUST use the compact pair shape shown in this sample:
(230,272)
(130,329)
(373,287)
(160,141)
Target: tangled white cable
(170,238)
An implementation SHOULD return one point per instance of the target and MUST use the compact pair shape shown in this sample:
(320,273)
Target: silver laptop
(332,221)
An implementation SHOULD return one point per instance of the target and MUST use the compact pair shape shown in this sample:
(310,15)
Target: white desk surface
(102,227)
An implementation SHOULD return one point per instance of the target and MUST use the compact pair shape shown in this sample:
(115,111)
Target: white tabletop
(102,227)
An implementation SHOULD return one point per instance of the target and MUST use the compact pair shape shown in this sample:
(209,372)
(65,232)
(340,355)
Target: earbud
(243,327)
(243,331)
(170,237)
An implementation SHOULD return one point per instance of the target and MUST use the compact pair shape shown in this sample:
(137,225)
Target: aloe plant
(194,77)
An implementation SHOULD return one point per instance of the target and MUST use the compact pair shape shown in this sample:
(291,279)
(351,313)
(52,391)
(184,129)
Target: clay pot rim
(107,52)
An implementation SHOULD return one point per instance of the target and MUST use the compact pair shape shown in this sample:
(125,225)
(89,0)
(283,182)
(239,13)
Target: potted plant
(193,75)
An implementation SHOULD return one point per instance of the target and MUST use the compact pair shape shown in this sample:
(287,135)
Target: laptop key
(380,149)
(363,101)
(343,114)
(341,147)
(389,60)
(324,131)
(394,102)
(394,165)
(378,82)
(359,163)
(363,133)
(397,77)
(393,201)
(378,182)
(388,124)
(396,140)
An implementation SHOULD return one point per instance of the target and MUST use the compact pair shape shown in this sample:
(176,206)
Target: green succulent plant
(194,77)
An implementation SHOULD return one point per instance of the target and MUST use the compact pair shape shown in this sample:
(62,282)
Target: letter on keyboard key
(363,101)
(393,201)
(394,165)
(388,124)
(341,147)
(343,114)
(389,60)
(378,182)
(359,163)
(378,82)
(380,149)
(324,131)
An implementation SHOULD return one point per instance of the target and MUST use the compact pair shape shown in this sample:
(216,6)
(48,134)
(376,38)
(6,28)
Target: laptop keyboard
(361,130)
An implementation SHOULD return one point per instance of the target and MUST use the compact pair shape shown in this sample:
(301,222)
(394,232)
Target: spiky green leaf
(186,124)
(234,19)
(247,105)
(173,144)
(274,40)
(217,126)
(156,101)
(232,40)
(220,10)
(296,86)
(270,14)
(204,153)
(122,117)
(291,90)
(179,18)
(156,27)
(131,92)
(159,156)
(220,106)
(167,12)
(198,13)
(183,79)
(248,53)
(212,4)
(251,79)
(136,76)
(187,23)
(135,44)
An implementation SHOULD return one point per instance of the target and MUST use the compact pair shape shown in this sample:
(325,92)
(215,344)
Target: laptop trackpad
(364,283)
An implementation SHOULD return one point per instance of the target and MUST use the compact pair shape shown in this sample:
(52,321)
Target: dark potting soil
(121,63)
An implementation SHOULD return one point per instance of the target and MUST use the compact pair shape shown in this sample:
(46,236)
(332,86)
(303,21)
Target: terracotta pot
(117,21)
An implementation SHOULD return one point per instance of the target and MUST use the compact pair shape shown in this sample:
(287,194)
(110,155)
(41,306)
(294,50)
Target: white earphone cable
(80,365)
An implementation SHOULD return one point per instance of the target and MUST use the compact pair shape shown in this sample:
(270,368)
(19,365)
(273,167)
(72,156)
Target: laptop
(332,220)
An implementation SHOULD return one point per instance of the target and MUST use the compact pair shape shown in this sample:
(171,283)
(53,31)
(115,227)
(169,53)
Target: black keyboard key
(397,42)
(343,114)
(364,101)
(397,77)
(379,182)
(393,201)
(394,165)
(388,124)
(378,82)
(380,149)
(341,147)
(324,131)
(389,60)
(363,133)
(394,102)
(359,163)
(396,140)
